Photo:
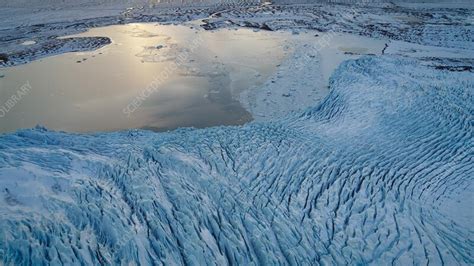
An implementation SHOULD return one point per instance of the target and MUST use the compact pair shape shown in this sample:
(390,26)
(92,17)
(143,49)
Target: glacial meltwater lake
(152,76)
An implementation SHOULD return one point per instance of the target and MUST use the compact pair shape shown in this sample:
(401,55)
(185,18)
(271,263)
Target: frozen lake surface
(151,76)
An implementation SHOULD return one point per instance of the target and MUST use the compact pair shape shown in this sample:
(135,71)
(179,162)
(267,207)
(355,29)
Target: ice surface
(303,78)
(422,24)
(376,174)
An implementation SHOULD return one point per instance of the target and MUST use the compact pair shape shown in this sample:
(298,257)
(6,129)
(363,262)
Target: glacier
(380,172)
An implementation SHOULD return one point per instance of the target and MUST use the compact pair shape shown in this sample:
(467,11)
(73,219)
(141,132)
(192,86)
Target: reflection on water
(91,91)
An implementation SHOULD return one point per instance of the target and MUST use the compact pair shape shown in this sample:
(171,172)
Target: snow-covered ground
(361,152)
